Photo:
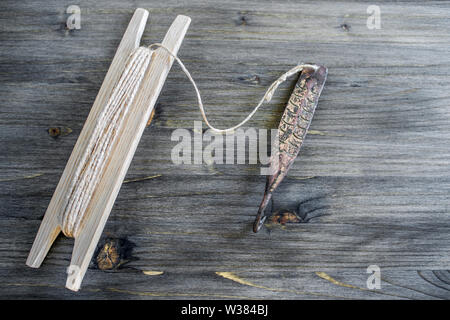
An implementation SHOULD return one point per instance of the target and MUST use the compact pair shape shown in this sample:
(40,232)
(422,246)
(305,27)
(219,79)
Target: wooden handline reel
(123,148)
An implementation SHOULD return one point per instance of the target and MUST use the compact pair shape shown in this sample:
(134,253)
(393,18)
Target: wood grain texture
(372,174)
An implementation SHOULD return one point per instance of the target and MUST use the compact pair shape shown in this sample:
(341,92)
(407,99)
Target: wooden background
(372,179)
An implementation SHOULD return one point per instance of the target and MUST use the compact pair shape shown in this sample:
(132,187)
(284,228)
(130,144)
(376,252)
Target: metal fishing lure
(292,130)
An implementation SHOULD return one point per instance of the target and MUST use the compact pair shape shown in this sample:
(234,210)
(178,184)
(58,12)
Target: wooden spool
(124,147)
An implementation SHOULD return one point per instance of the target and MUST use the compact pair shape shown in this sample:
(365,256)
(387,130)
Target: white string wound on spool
(101,141)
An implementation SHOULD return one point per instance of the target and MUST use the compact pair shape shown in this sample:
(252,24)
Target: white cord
(266,98)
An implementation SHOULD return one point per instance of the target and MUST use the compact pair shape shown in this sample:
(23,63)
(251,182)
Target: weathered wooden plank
(331,284)
(372,174)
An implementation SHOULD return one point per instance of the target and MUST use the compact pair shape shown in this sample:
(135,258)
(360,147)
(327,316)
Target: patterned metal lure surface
(292,130)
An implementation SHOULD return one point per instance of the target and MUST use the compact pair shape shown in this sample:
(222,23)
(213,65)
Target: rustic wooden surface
(373,173)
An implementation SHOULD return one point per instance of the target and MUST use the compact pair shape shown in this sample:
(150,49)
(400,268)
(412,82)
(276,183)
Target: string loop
(266,98)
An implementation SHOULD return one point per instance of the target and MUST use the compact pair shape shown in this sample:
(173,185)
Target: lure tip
(259,222)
